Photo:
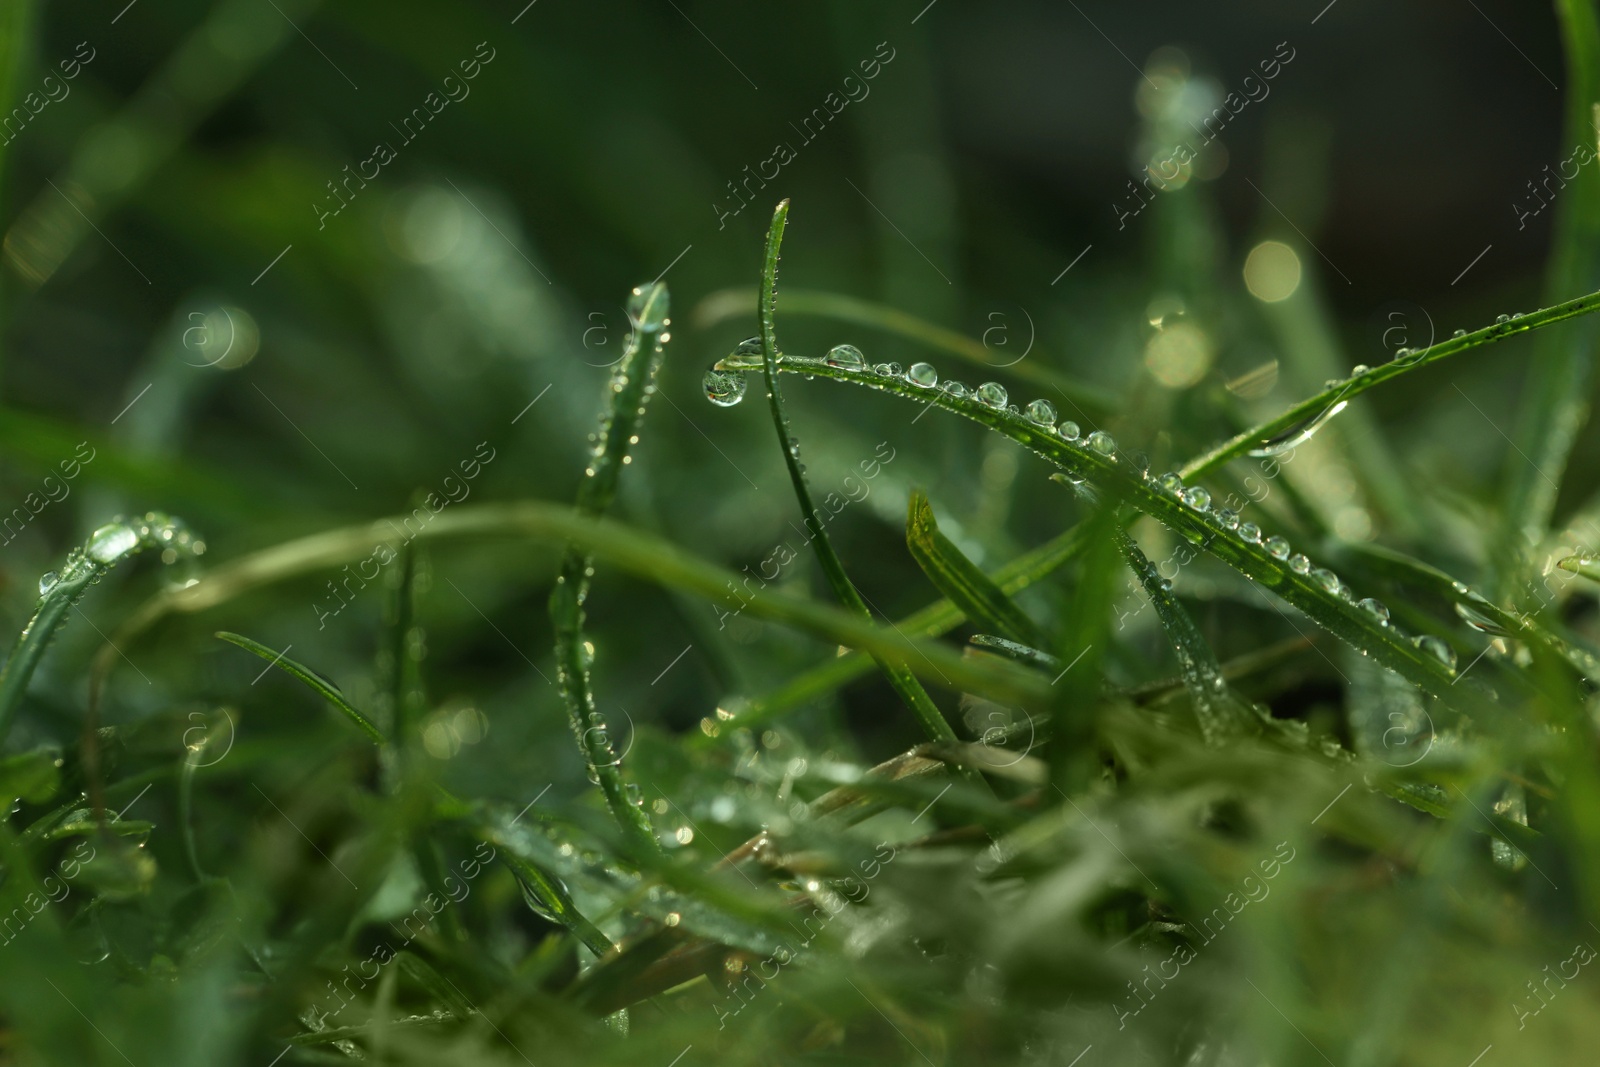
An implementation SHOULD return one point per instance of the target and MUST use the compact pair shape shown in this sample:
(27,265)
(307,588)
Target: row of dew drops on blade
(725,386)
(121,538)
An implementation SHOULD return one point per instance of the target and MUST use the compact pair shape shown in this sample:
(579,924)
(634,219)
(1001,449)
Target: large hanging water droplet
(923,374)
(1437,648)
(845,357)
(1301,434)
(723,388)
(1041,413)
(1480,622)
(48,582)
(111,542)
(1277,547)
(1103,443)
(648,307)
(993,394)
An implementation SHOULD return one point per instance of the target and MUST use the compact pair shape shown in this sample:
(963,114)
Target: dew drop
(993,394)
(1197,498)
(1358,370)
(1277,547)
(845,357)
(1250,532)
(746,355)
(1042,413)
(1103,443)
(1300,434)
(1437,648)
(1327,579)
(723,388)
(888,370)
(1459,333)
(1376,609)
(1228,518)
(1069,430)
(1299,563)
(48,582)
(648,307)
(955,389)
(1501,320)
(923,374)
(1171,482)
(111,542)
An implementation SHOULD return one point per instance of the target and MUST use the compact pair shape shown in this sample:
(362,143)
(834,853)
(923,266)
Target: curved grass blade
(60,593)
(1016,650)
(935,620)
(902,680)
(1303,419)
(972,592)
(1219,712)
(645,555)
(1316,592)
(633,382)
(738,303)
(324,688)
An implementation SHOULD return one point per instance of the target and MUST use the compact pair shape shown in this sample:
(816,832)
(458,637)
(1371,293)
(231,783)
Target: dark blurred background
(176,297)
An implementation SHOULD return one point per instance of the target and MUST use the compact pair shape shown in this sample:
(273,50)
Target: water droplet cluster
(1041,415)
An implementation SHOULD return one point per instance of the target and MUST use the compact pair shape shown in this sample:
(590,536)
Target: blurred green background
(216,284)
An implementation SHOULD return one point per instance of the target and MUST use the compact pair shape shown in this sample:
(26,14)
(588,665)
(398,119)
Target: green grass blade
(902,680)
(60,593)
(738,303)
(1561,371)
(972,592)
(935,620)
(631,386)
(1220,714)
(323,688)
(1274,430)
(552,897)
(1317,593)
(642,554)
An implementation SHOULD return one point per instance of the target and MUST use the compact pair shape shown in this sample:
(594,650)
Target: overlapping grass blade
(972,592)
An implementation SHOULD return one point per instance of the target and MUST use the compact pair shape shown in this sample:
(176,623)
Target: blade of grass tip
(1281,433)
(1315,591)
(902,680)
(972,592)
(632,383)
(1219,712)
(320,685)
(935,620)
(60,593)
(732,303)
(1561,370)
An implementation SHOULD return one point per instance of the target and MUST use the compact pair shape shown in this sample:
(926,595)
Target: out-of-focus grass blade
(972,592)
(324,688)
